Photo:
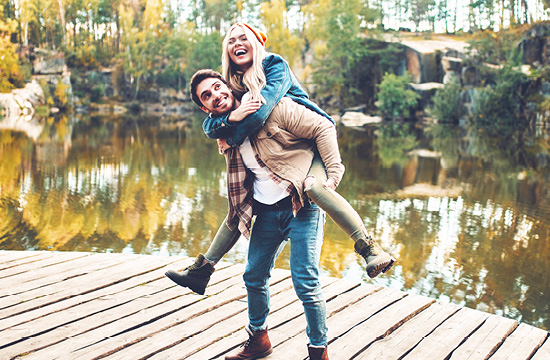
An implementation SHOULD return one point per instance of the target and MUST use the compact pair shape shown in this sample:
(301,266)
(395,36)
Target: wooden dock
(68,305)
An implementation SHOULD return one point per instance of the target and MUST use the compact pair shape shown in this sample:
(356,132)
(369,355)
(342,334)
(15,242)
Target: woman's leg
(343,214)
(197,276)
(338,208)
(224,241)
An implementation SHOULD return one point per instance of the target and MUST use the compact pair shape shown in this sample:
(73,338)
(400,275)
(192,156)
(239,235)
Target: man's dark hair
(198,77)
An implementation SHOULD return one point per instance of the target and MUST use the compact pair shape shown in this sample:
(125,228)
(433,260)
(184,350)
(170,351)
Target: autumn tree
(9,66)
(280,39)
(338,31)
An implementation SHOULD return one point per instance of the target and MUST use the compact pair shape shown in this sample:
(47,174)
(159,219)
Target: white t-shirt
(266,190)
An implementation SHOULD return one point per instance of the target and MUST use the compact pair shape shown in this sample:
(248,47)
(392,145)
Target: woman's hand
(247,107)
(330,184)
(310,180)
(222,146)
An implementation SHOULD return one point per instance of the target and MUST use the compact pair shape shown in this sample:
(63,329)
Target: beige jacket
(288,139)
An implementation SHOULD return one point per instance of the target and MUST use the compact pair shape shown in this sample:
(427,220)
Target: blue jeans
(272,228)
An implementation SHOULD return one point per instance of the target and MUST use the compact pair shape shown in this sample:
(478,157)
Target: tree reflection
(466,212)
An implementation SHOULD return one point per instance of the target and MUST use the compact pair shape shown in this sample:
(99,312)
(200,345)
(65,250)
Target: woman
(249,68)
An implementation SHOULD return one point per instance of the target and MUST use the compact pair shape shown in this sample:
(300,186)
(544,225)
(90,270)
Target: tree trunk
(63,22)
(26,33)
(137,87)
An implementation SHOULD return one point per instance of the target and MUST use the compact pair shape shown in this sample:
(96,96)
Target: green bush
(42,111)
(48,97)
(447,106)
(503,104)
(134,107)
(96,92)
(396,100)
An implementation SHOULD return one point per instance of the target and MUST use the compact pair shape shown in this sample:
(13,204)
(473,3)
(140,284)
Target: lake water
(466,211)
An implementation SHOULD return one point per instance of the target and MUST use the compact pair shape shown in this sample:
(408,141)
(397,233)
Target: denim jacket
(280,81)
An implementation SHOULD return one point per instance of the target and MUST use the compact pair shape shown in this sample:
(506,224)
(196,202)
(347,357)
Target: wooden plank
(136,279)
(226,292)
(11,255)
(279,316)
(485,340)
(130,310)
(62,271)
(182,331)
(20,273)
(218,331)
(344,320)
(96,308)
(406,337)
(448,336)
(349,297)
(96,278)
(291,344)
(380,325)
(46,324)
(192,328)
(133,314)
(12,259)
(543,353)
(521,344)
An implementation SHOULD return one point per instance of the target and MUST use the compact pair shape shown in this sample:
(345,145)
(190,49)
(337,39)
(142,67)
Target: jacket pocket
(268,132)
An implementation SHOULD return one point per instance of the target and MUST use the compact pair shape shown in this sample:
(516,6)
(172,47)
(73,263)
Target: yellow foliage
(60,94)
(9,61)
(153,14)
(280,40)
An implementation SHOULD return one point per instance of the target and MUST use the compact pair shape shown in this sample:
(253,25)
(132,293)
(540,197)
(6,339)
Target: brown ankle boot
(378,260)
(316,353)
(257,346)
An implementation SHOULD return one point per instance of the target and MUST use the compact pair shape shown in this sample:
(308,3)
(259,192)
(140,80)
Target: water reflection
(466,211)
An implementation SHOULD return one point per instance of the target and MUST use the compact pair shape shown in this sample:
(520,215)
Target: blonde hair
(253,80)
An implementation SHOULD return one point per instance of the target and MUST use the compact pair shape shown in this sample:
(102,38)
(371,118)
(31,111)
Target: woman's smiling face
(240,49)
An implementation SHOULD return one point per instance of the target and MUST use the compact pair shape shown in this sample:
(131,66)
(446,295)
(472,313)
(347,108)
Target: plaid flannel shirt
(240,183)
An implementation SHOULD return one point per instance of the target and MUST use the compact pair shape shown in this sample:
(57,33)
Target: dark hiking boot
(317,353)
(378,261)
(257,346)
(195,277)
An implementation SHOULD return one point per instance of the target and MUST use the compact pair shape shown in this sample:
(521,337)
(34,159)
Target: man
(266,174)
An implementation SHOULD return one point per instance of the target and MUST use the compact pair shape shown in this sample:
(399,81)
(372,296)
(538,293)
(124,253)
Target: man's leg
(265,245)
(266,242)
(306,238)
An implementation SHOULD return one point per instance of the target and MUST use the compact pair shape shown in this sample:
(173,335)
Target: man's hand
(247,107)
(222,146)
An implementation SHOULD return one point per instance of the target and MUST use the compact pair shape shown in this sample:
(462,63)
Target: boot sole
(380,268)
(258,356)
(262,355)
(172,276)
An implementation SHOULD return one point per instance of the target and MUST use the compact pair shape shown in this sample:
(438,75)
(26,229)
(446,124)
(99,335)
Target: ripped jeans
(274,226)
(338,208)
